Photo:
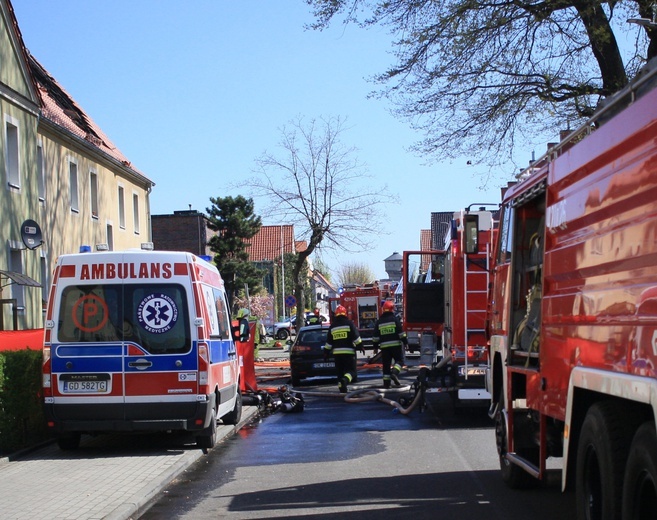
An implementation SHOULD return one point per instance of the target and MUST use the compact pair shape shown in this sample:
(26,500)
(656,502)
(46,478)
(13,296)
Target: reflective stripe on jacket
(388,331)
(342,337)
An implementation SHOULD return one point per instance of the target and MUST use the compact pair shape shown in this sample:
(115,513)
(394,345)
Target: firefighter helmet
(340,310)
(388,306)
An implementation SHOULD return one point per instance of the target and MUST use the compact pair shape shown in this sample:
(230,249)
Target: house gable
(16,83)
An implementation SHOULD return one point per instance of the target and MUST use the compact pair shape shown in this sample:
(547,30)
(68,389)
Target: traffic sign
(290,301)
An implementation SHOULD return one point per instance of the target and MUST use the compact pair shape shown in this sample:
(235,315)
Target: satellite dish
(31,234)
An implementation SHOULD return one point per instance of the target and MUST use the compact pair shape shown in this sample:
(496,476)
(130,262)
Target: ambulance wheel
(235,415)
(513,475)
(601,454)
(69,441)
(208,437)
(640,483)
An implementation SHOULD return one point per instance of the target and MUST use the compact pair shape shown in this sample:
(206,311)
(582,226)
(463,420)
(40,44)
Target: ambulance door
(160,363)
(224,365)
(86,351)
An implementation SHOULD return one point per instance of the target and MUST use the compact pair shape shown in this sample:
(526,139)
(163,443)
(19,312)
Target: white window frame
(109,234)
(17,265)
(135,212)
(41,173)
(12,138)
(74,184)
(121,204)
(93,193)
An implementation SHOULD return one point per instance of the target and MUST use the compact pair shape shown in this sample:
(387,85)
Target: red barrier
(21,339)
(246,353)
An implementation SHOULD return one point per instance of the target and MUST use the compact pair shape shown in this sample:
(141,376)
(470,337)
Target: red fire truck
(467,274)
(362,303)
(445,305)
(573,317)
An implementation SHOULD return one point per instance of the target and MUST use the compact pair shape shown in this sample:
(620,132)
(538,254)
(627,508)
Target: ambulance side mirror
(471,234)
(235,331)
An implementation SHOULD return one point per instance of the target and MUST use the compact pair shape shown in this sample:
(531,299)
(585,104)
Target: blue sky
(193,92)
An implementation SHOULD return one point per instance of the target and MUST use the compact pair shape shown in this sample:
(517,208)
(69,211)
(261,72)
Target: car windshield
(312,338)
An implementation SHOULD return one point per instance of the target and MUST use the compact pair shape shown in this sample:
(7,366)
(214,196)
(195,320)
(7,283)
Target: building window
(16,265)
(135,212)
(73,185)
(41,174)
(121,208)
(110,237)
(93,191)
(13,167)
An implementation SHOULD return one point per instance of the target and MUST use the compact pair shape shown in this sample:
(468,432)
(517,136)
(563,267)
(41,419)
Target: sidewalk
(107,478)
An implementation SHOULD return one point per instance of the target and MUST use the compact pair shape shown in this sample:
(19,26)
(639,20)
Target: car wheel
(208,437)
(601,454)
(234,416)
(640,482)
(296,380)
(282,334)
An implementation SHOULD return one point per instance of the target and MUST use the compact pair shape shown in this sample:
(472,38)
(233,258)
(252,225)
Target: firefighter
(315,319)
(243,317)
(391,339)
(343,339)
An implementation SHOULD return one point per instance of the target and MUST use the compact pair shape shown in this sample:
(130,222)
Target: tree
(234,221)
(316,183)
(473,77)
(355,273)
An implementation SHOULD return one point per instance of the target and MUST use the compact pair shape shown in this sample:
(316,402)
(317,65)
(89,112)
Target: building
(66,184)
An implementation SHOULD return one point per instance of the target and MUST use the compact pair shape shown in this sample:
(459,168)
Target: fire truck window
(506,236)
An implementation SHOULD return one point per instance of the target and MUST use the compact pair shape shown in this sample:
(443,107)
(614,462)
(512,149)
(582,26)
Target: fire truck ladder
(476,275)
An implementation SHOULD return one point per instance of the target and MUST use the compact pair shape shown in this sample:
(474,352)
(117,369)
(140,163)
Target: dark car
(307,355)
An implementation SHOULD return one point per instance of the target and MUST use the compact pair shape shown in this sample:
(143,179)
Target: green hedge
(22,423)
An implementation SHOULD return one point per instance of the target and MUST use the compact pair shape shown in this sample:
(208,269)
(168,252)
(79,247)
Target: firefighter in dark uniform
(391,339)
(315,319)
(343,339)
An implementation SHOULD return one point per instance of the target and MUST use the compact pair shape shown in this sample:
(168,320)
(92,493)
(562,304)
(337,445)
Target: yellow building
(62,176)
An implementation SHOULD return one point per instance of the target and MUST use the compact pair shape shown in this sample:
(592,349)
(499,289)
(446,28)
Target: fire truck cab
(363,308)
(573,318)
(139,341)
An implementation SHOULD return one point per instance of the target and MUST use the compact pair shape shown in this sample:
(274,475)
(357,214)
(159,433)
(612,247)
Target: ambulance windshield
(153,316)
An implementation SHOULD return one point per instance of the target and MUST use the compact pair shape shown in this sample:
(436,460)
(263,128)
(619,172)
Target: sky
(194,92)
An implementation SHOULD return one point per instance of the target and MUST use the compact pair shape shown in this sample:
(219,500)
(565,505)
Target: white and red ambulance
(139,341)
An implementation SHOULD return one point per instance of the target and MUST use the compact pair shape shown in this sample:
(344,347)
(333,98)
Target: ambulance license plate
(85,383)
(328,364)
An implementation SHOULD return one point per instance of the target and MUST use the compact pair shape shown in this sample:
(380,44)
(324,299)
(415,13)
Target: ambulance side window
(223,318)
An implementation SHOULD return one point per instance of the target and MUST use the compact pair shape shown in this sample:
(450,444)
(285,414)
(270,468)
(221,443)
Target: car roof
(315,327)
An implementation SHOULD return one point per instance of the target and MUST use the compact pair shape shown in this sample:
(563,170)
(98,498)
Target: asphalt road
(338,459)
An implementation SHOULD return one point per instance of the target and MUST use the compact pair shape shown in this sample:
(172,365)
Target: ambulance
(139,341)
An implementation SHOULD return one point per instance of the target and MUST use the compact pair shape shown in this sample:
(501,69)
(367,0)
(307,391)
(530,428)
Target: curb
(142,499)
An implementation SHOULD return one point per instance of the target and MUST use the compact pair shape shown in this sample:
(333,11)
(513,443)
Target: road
(358,461)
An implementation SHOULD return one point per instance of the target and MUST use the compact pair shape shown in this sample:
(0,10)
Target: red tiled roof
(270,242)
(58,107)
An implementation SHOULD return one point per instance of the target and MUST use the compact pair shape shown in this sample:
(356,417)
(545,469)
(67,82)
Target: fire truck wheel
(234,416)
(640,487)
(69,441)
(208,437)
(601,454)
(514,476)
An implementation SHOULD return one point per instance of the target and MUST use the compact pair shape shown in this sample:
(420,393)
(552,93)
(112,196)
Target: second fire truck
(445,305)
